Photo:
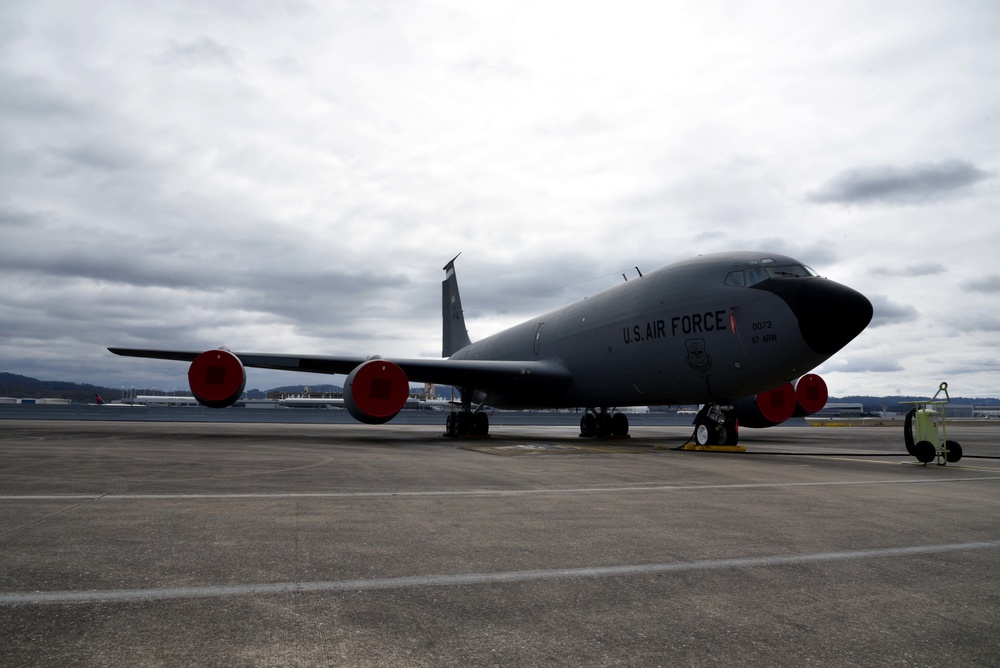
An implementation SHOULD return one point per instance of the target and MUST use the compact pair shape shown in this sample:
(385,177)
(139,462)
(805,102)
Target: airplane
(738,332)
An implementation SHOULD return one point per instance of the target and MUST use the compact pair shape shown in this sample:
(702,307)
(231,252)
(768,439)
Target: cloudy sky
(291,176)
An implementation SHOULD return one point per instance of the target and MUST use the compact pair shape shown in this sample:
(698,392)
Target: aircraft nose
(830,315)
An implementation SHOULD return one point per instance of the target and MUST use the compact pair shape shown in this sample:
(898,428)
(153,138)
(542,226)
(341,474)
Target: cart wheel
(908,432)
(924,451)
(954,450)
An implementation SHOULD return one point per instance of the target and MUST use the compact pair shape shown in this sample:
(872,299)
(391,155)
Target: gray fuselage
(710,329)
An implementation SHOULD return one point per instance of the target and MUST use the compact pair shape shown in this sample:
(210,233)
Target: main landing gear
(715,426)
(467,423)
(603,424)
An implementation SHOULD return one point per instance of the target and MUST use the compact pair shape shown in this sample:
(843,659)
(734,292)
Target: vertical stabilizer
(454,336)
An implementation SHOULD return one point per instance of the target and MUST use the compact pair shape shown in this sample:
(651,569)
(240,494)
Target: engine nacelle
(804,397)
(376,391)
(766,409)
(810,395)
(217,378)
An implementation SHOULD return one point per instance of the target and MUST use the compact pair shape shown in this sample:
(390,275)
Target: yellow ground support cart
(932,436)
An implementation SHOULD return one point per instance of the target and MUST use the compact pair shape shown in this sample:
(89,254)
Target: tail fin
(98,400)
(454,335)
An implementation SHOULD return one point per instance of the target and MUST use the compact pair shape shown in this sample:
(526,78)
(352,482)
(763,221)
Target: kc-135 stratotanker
(737,332)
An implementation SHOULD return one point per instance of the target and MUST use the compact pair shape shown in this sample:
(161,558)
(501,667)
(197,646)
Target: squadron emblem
(697,357)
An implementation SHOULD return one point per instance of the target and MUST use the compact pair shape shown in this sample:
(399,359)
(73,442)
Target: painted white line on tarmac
(489,492)
(215,591)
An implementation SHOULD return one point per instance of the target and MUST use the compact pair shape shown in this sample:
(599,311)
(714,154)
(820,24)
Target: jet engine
(804,397)
(217,378)
(375,391)
(810,395)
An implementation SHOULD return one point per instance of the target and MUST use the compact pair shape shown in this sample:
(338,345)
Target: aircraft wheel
(704,433)
(924,451)
(619,424)
(451,426)
(954,450)
(604,427)
(465,424)
(588,425)
(732,433)
(481,424)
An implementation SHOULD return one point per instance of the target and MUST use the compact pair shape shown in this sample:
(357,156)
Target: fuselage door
(538,336)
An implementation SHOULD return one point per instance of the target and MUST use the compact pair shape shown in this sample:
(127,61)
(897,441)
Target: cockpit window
(789,271)
(761,270)
(735,278)
(755,275)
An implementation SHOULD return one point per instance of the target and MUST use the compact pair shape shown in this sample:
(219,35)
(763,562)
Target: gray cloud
(912,270)
(14,218)
(989,284)
(753,191)
(982,322)
(887,184)
(201,52)
(34,98)
(107,157)
(974,366)
(888,312)
(870,365)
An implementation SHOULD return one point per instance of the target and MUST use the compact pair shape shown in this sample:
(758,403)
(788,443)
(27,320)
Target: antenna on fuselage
(636,271)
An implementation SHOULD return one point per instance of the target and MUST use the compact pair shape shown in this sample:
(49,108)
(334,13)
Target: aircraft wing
(485,375)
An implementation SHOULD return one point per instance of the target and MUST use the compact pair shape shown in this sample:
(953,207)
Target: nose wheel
(716,427)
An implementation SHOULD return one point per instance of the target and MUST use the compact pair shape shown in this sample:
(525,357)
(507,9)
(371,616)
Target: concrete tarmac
(156,544)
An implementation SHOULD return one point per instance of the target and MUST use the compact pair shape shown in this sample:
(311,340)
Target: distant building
(837,410)
(168,400)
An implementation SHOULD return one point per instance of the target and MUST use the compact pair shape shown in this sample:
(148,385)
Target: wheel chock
(714,448)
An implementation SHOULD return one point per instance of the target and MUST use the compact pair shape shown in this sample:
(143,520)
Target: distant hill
(23,387)
(876,404)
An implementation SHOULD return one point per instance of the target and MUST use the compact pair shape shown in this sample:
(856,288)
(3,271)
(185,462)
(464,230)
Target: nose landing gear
(715,429)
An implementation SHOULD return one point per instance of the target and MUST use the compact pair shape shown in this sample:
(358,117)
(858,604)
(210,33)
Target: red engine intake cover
(777,405)
(217,378)
(810,394)
(375,391)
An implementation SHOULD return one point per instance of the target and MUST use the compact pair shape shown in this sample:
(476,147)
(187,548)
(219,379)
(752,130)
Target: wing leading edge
(531,377)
